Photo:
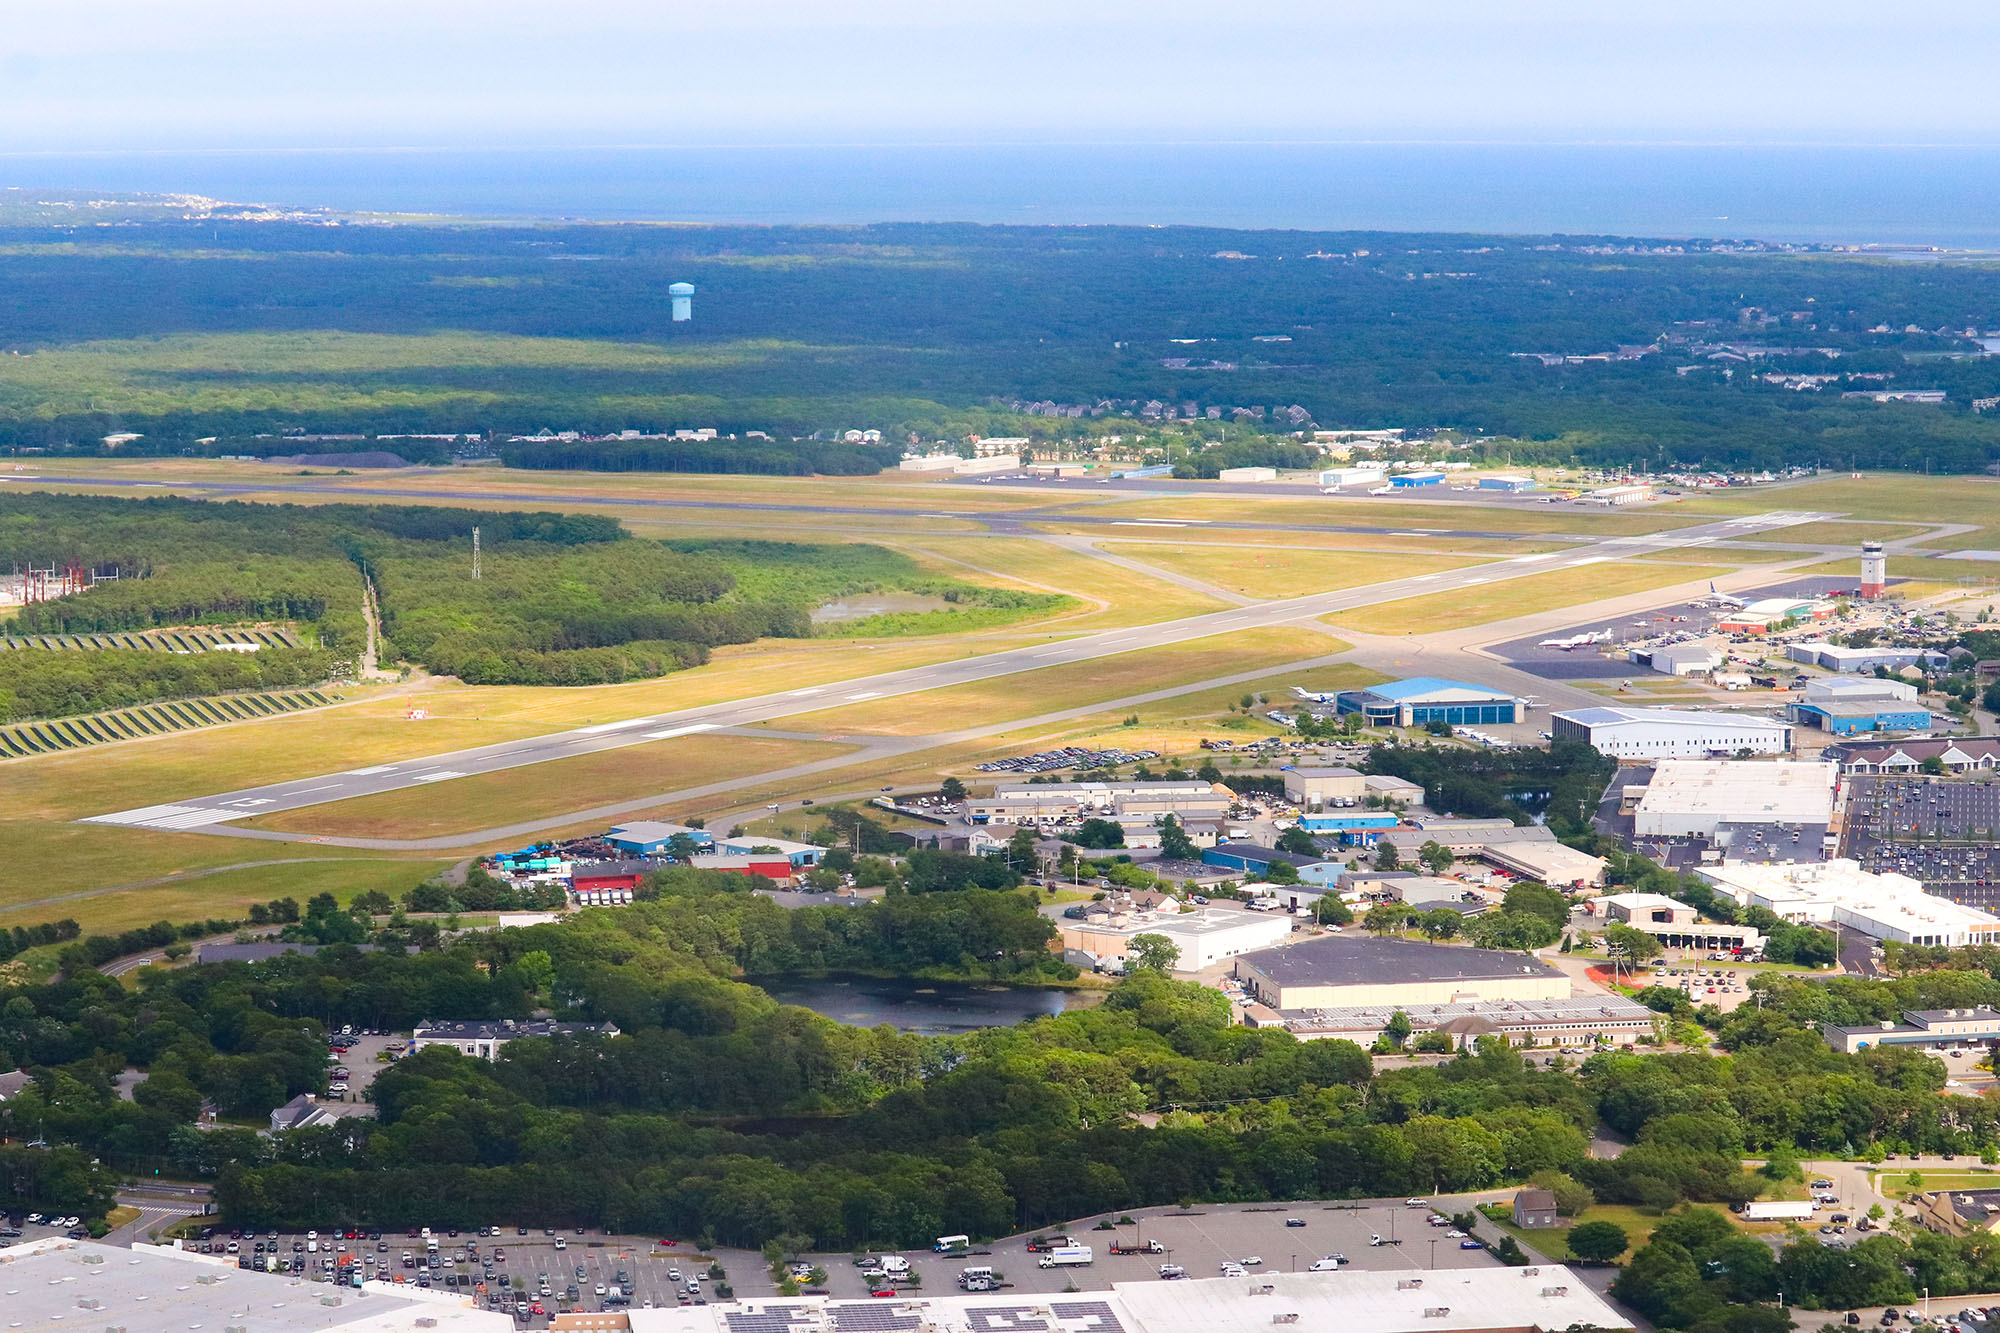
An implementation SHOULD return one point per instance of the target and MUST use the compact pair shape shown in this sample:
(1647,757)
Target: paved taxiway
(199,812)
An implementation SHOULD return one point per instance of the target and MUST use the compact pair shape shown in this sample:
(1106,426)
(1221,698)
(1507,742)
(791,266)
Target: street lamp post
(1434,1251)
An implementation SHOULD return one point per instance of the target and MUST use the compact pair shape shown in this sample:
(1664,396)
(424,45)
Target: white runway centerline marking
(672,732)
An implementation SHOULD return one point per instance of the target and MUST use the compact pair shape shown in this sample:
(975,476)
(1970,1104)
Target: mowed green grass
(1461,608)
(228,894)
(1444,517)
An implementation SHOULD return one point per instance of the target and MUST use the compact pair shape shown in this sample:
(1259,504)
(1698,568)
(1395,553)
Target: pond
(929,1008)
(863,605)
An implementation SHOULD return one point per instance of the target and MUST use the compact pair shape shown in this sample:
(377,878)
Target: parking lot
(1940,832)
(1200,1241)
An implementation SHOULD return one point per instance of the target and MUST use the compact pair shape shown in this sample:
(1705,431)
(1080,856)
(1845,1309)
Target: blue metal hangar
(1421,699)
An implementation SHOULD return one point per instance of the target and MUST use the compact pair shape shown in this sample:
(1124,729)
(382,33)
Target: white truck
(1779,1210)
(1067,1256)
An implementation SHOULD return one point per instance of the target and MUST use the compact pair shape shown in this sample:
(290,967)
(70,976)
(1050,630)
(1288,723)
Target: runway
(1000,523)
(199,812)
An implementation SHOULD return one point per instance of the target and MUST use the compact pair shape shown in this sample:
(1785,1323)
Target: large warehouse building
(1694,798)
(1059,802)
(1488,1298)
(84,1285)
(1830,893)
(1204,938)
(1669,733)
(1332,971)
(1848,706)
(1423,699)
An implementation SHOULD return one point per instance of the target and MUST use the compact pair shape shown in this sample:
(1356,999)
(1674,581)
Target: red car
(884,1292)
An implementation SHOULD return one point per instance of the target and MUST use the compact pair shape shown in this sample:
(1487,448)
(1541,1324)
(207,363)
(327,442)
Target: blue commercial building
(1423,699)
(1411,480)
(1252,858)
(651,837)
(1353,830)
(1140,473)
(1514,485)
(1859,719)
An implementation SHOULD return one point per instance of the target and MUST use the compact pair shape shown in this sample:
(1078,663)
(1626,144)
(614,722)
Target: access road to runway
(409,775)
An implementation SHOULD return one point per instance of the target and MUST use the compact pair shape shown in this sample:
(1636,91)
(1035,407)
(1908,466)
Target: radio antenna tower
(475,553)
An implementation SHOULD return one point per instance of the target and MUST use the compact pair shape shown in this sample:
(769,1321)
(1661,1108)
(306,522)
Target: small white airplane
(1578,640)
(1312,698)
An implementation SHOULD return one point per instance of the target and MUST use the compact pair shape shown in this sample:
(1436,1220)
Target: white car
(1233,1270)
(35,1219)
(1455,1234)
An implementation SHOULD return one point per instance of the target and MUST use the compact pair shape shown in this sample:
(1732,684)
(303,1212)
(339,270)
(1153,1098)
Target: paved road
(407,775)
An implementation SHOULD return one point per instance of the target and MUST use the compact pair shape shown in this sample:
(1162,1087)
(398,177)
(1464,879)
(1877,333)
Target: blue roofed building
(1422,699)
(1853,706)
(653,837)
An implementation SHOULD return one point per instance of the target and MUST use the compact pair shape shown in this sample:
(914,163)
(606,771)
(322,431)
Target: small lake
(863,605)
(930,1008)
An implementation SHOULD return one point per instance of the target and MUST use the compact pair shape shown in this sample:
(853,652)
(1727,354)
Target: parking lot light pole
(1434,1251)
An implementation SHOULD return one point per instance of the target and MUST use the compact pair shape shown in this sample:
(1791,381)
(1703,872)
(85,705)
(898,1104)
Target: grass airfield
(990,533)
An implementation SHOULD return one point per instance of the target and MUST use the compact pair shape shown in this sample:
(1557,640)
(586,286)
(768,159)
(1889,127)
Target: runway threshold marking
(672,732)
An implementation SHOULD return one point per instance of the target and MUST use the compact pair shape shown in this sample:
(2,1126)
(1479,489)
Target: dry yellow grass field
(1268,572)
(1031,693)
(541,791)
(1461,608)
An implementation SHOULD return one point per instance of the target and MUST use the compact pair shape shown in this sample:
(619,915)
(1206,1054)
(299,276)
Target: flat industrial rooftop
(61,1286)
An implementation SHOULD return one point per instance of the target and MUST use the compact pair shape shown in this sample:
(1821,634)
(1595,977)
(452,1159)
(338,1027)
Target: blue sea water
(1900,196)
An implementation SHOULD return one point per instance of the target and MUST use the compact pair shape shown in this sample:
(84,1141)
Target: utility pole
(475,554)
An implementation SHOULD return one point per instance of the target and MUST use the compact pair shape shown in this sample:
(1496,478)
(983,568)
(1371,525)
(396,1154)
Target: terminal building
(1425,699)
(1579,1020)
(1841,893)
(1669,733)
(1698,798)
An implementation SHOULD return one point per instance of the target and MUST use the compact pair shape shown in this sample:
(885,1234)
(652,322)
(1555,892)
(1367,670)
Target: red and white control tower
(1874,570)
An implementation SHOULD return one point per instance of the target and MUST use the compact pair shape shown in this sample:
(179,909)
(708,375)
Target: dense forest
(722,1116)
(561,599)
(946,330)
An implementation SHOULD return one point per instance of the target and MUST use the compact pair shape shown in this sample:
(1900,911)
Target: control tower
(683,294)
(1874,570)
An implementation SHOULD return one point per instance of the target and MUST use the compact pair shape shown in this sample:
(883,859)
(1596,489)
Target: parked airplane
(1720,599)
(1579,640)
(1312,698)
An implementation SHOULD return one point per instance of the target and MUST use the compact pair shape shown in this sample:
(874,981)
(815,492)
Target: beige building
(1060,802)
(1340,971)
(1205,937)
(1312,787)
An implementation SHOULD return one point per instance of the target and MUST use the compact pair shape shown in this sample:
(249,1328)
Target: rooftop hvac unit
(1437,1311)
(1555,1291)
(1291,1318)
(1531,1272)
(90,1303)
(1409,1284)
(427,1322)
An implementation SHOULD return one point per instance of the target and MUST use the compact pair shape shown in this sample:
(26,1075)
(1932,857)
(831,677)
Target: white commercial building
(1204,937)
(1886,907)
(484,1037)
(1669,733)
(83,1285)
(1488,1298)
(1054,802)
(930,463)
(1247,474)
(1352,476)
(1692,798)
(1678,659)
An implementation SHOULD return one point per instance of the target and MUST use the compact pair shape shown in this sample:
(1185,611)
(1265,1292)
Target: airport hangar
(1669,733)
(1423,699)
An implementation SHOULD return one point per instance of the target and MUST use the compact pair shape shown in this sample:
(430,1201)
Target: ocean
(1946,197)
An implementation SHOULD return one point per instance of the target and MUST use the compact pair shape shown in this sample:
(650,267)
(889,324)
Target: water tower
(683,294)
(1874,570)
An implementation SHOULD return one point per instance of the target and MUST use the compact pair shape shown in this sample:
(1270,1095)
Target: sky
(124,75)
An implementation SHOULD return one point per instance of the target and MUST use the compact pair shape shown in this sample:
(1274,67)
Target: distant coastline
(1946,197)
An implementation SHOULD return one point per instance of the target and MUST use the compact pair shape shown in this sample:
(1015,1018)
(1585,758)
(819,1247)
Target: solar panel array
(771,1319)
(1005,1319)
(872,1317)
(1086,1317)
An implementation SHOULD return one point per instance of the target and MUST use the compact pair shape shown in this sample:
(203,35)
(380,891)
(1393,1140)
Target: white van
(895,1264)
